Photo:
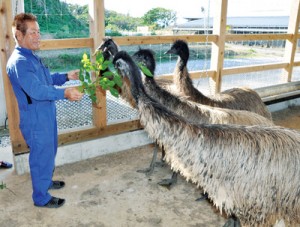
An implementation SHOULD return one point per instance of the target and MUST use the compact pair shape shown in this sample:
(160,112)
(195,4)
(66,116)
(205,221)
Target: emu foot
(147,171)
(161,163)
(169,182)
(232,222)
(204,196)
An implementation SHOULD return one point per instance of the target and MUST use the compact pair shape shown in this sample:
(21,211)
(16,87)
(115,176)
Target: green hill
(58,19)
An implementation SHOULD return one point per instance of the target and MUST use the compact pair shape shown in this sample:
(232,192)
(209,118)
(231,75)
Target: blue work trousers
(39,128)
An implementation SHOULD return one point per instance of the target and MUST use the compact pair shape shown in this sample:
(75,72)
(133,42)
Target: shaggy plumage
(236,98)
(196,113)
(252,172)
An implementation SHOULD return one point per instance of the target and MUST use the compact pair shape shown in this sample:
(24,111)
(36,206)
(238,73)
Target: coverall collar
(25,50)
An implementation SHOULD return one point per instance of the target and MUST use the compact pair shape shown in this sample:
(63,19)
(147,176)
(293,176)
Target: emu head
(146,57)
(108,48)
(181,49)
(131,75)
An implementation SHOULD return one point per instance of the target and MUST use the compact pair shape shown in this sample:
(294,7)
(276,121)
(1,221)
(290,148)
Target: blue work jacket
(31,80)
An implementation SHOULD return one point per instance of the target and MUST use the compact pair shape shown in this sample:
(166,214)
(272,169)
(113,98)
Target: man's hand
(73,74)
(72,94)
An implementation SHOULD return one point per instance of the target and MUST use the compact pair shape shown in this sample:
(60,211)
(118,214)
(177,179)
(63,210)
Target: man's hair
(20,20)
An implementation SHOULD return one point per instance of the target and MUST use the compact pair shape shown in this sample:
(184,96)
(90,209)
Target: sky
(192,8)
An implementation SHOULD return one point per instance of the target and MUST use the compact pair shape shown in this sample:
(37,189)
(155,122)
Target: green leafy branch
(108,80)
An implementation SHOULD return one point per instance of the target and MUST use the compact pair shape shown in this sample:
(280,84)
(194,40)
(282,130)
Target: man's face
(31,39)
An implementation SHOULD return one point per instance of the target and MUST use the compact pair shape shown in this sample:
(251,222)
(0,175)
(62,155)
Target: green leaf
(93,91)
(114,92)
(105,65)
(93,98)
(87,75)
(99,58)
(111,83)
(107,74)
(145,70)
(81,77)
(118,80)
(85,85)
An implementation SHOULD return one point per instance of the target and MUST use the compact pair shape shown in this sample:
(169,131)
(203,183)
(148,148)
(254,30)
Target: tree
(159,17)
(117,21)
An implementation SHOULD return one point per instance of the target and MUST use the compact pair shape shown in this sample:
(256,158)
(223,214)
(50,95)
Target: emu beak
(169,52)
(96,51)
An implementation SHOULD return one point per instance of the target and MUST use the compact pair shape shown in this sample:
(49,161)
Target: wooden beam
(253,68)
(296,63)
(193,75)
(242,37)
(87,133)
(56,44)
(144,40)
(94,132)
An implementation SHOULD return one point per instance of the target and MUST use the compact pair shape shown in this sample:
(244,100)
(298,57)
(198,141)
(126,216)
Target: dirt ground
(108,191)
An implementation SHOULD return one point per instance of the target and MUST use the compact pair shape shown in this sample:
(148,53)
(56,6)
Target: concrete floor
(107,191)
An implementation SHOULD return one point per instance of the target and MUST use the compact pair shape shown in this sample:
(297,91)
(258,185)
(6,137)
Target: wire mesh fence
(238,53)
(79,114)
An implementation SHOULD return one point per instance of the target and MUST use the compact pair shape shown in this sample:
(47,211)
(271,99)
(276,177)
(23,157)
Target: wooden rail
(215,73)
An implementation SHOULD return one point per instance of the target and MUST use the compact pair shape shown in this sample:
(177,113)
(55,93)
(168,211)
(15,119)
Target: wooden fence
(100,127)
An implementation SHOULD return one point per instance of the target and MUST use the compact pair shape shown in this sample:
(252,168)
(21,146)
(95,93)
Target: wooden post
(218,47)
(7,45)
(291,44)
(97,31)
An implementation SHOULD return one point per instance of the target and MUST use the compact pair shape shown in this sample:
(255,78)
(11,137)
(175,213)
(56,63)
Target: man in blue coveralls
(34,89)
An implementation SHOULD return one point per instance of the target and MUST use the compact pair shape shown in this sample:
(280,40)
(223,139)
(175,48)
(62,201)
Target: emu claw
(147,171)
(166,183)
(203,197)
(169,182)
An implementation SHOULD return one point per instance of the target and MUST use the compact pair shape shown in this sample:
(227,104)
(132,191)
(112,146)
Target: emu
(235,98)
(108,47)
(194,112)
(251,172)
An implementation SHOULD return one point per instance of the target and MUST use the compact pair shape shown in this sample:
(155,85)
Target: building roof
(245,22)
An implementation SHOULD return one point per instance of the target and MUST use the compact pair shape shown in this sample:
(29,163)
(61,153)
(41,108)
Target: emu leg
(150,169)
(169,182)
(232,222)
(161,163)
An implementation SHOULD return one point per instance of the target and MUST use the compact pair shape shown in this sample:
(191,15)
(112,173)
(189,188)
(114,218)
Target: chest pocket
(43,71)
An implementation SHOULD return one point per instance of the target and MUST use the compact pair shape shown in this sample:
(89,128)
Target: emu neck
(185,109)
(184,84)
